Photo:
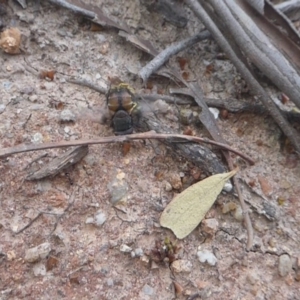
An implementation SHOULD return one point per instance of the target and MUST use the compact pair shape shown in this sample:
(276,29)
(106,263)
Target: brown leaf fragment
(265,186)
(48,74)
(74,279)
(182,62)
(284,98)
(52,262)
(126,148)
(178,288)
(10,40)
(95,27)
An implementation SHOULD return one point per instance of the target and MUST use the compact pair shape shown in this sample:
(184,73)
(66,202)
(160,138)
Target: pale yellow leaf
(183,214)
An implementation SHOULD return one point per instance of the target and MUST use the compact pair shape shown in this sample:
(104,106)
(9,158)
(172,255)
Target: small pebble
(118,190)
(67,116)
(2,108)
(145,260)
(110,282)
(98,219)
(227,187)
(168,187)
(148,290)
(285,265)
(181,265)
(238,214)
(104,48)
(67,129)
(28,90)
(207,256)
(139,252)
(210,226)
(161,106)
(7,85)
(228,207)
(33,98)
(37,138)
(125,248)
(186,116)
(39,269)
(10,255)
(252,278)
(100,38)
(38,252)
(175,181)
(61,32)
(215,112)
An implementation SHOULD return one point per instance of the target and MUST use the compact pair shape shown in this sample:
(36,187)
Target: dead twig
(29,224)
(147,97)
(58,216)
(165,55)
(25,123)
(290,8)
(237,106)
(196,7)
(35,160)
(231,104)
(88,84)
(75,8)
(242,68)
(120,139)
(60,163)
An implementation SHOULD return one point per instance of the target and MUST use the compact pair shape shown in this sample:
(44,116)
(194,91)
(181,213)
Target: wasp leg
(132,108)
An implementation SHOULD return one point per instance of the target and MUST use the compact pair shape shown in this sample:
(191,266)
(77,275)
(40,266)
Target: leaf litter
(184,213)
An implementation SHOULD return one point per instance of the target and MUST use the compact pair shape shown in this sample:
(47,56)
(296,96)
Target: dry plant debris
(84,245)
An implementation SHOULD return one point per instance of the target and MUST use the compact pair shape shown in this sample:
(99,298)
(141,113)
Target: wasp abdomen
(122,123)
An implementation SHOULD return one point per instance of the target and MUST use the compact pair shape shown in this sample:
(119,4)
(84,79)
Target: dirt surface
(126,256)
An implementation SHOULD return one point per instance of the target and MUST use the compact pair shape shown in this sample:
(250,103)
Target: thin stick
(29,224)
(164,56)
(204,17)
(119,139)
(76,9)
(88,84)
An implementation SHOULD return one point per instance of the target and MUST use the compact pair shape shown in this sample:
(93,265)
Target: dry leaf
(182,62)
(126,148)
(10,40)
(184,213)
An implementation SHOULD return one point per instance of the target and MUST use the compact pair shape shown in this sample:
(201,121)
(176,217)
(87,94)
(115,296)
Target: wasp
(123,108)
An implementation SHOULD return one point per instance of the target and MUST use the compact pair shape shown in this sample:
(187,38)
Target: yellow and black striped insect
(123,108)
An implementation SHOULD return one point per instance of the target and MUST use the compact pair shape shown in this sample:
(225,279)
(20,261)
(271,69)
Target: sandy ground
(125,258)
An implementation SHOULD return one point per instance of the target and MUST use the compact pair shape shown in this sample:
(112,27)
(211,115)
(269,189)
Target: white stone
(125,248)
(100,218)
(38,252)
(207,256)
(215,112)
